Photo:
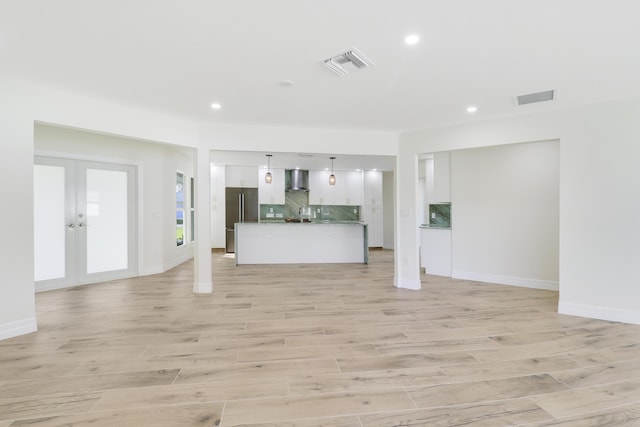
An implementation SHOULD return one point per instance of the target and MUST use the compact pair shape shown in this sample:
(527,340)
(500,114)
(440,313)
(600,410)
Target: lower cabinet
(435,251)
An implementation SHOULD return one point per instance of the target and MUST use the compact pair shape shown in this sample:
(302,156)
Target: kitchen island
(301,243)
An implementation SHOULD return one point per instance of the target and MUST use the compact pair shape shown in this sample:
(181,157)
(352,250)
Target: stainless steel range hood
(296,180)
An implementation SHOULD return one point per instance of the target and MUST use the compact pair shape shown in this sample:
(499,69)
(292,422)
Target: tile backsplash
(440,214)
(296,199)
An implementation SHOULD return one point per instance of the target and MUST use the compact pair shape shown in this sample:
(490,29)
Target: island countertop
(301,243)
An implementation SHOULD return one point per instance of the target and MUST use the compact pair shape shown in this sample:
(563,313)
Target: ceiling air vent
(341,63)
(531,98)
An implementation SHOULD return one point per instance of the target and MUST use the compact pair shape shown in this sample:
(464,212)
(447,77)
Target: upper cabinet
(354,191)
(438,178)
(271,194)
(319,187)
(346,191)
(372,209)
(242,176)
(442,177)
(372,188)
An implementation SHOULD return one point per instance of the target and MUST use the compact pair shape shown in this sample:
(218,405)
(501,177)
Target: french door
(85,222)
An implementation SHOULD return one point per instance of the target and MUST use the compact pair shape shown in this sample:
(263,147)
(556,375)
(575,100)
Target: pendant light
(268,177)
(332,177)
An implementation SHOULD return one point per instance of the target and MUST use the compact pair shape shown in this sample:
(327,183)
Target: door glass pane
(106,220)
(180,208)
(49,230)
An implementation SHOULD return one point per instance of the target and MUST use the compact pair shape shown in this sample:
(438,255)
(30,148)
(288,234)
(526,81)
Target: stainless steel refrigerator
(241,206)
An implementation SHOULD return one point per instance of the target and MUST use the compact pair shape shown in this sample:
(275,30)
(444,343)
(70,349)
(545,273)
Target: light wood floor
(315,345)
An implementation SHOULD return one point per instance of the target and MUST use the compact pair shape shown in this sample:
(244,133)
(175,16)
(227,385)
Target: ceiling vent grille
(531,98)
(341,63)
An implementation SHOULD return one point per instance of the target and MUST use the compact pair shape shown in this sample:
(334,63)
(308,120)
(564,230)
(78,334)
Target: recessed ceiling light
(472,109)
(412,39)
(216,106)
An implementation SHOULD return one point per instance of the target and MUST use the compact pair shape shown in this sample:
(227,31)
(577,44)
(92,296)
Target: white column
(407,260)
(17,299)
(203,282)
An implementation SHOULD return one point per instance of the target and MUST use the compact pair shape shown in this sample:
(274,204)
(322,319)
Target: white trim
(19,327)
(407,284)
(523,282)
(55,284)
(599,312)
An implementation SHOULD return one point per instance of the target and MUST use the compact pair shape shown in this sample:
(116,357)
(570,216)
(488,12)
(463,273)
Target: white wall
(600,212)
(598,167)
(157,165)
(505,211)
(17,308)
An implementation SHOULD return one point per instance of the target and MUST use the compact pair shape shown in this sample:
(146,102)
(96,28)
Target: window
(180,209)
(192,211)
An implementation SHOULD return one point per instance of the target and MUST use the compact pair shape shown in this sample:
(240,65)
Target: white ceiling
(180,56)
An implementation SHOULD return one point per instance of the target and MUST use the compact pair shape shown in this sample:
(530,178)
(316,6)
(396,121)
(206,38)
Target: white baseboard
(507,280)
(599,312)
(177,261)
(407,284)
(20,327)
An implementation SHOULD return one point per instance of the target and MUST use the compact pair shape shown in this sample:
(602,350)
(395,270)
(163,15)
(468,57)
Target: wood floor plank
(366,380)
(86,383)
(37,406)
(323,405)
(197,415)
(176,394)
(511,368)
(407,360)
(590,399)
(622,416)
(495,414)
(484,391)
(256,370)
(599,374)
(315,422)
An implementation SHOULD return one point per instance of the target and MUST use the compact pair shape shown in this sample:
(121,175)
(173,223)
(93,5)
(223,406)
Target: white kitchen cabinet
(372,209)
(319,187)
(442,178)
(346,191)
(435,251)
(321,193)
(438,178)
(353,194)
(271,194)
(372,188)
(217,206)
(242,176)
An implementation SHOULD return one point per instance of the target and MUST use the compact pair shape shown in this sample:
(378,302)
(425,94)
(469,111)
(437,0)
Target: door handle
(82,225)
(71,226)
